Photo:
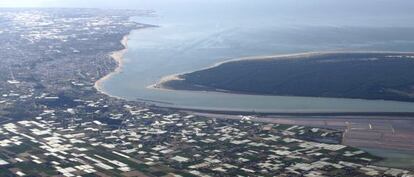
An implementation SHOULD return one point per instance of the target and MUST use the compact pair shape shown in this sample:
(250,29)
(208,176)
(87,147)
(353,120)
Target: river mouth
(190,37)
(364,75)
(156,52)
(186,43)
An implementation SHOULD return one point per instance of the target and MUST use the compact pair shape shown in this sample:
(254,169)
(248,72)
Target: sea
(194,34)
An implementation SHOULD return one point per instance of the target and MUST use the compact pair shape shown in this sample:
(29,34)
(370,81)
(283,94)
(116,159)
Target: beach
(161,84)
(179,49)
(118,57)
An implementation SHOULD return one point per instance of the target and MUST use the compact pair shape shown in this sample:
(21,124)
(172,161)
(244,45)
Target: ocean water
(393,158)
(196,34)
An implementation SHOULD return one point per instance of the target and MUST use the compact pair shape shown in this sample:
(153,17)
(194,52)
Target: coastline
(118,57)
(160,85)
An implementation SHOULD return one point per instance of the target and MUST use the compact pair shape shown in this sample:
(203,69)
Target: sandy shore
(161,83)
(174,77)
(118,57)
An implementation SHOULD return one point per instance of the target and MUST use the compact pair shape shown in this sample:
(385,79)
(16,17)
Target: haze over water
(196,34)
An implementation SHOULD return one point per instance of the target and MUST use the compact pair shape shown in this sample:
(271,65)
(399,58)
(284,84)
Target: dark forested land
(388,76)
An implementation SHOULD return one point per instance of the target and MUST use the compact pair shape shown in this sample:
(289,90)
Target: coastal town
(148,143)
(56,122)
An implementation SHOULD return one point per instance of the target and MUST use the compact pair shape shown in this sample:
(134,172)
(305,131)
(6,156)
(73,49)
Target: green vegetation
(5,172)
(386,76)
(31,168)
(24,147)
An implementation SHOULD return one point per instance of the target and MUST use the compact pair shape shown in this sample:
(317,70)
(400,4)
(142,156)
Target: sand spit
(118,57)
(174,77)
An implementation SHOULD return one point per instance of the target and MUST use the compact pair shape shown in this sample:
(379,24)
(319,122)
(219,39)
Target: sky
(387,12)
(70,3)
(24,3)
(392,5)
(91,3)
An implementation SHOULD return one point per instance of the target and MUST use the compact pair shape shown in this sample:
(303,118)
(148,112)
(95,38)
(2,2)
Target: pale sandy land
(118,57)
(160,84)
(174,77)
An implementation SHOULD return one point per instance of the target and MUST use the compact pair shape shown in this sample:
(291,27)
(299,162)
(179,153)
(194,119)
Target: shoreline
(161,84)
(118,57)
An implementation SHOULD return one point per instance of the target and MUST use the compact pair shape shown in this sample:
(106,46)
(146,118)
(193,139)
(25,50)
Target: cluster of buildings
(53,122)
(160,143)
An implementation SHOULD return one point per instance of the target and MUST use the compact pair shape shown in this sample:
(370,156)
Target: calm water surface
(196,35)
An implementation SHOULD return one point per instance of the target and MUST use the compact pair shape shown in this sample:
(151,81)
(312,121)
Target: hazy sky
(93,3)
(72,3)
(392,5)
(359,12)
(25,3)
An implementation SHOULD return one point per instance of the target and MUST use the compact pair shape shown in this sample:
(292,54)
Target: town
(147,143)
(55,123)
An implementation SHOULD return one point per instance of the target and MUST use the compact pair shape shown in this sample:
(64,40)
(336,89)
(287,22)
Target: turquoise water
(196,35)
(393,158)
